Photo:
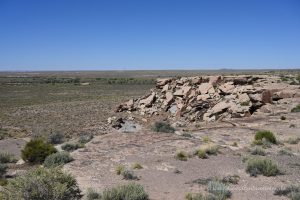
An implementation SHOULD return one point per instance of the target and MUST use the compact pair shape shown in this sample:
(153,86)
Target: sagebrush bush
(92,194)
(293,140)
(292,192)
(130,191)
(6,157)
(36,151)
(42,183)
(137,166)
(209,150)
(128,175)
(120,169)
(163,127)
(268,135)
(258,151)
(56,138)
(85,138)
(198,196)
(266,167)
(202,154)
(3,169)
(57,159)
(71,146)
(233,179)
(219,190)
(181,155)
(296,109)
(285,151)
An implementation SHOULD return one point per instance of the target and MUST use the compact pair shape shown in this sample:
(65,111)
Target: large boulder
(215,80)
(160,82)
(169,99)
(204,87)
(147,102)
(266,96)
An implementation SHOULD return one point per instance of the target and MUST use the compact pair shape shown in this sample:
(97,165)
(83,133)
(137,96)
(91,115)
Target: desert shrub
(266,167)
(36,151)
(42,183)
(85,138)
(57,159)
(92,194)
(219,190)
(187,135)
(198,196)
(296,109)
(258,151)
(202,154)
(235,144)
(56,138)
(206,139)
(137,166)
(163,127)
(128,175)
(6,157)
(268,135)
(264,143)
(3,182)
(285,151)
(292,192)
(293,140)
(283,118)
(233,179)
(71,146)
(181,155)
(130,191)
(3,169)
(212,149)
(120,169)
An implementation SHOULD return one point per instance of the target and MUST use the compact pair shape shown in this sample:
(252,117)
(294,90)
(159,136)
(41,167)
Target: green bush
(285,151)
(219,190)
(268,135)
(292,192)
(131,191)
(233,179)
(71,146)
(206,150)
(37,150)
(42,183)
(198,196)
(163,127)
(120,169)
(258,151)
(93,195)
(56,138)
(181,155)
(293,140)
(137,166)
(3,169)
(296,109)
(264,166)
(57,159)
(6,157)
(202,154)
(128,175)
(85,138)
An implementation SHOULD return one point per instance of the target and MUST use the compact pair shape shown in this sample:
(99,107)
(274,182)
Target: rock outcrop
(209,98)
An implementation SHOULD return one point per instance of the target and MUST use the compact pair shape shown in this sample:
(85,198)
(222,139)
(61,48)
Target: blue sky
(149,34)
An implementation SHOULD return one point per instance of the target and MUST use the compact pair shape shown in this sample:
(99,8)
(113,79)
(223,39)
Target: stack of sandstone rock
(207,98)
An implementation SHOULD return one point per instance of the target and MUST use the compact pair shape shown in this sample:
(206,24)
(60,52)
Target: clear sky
(149,34)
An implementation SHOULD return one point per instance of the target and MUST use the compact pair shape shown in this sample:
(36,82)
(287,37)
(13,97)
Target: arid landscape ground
(77,104)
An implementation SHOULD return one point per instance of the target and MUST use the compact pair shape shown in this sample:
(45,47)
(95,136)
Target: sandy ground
(94,166)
